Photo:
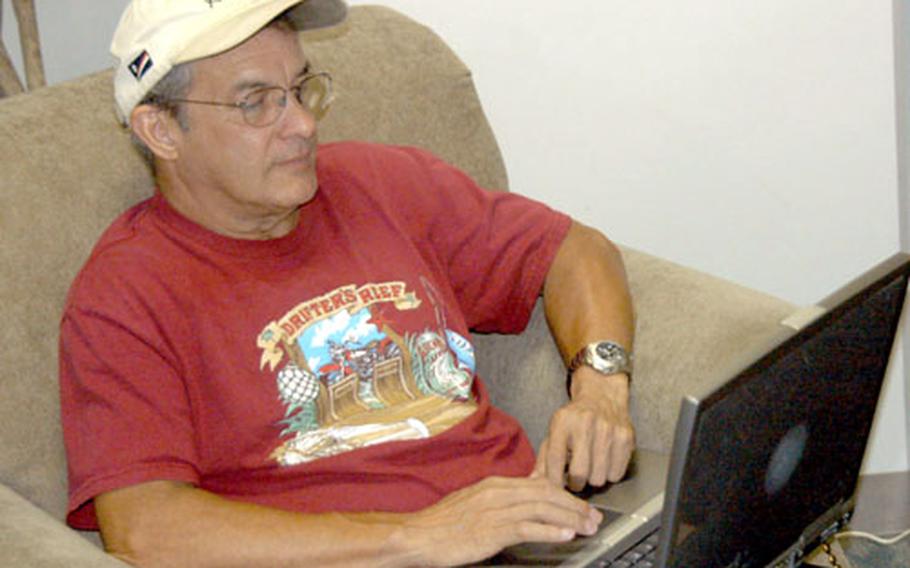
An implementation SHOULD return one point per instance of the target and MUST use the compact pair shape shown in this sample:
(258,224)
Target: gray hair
(174,85)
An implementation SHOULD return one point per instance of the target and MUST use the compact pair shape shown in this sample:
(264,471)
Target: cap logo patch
(140,66)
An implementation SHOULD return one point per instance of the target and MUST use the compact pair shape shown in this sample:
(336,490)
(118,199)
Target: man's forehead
(247,81)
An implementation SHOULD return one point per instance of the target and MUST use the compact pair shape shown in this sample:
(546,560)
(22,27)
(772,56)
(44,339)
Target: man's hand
(480,520)
(593,433)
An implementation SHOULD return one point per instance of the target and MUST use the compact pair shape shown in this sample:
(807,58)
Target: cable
(872,537)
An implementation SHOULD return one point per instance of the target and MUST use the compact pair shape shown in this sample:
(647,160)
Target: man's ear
(158,130)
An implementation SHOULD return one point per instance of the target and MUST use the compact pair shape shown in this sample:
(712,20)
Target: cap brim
(316,14)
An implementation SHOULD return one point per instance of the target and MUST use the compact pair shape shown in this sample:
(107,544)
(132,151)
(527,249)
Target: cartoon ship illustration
(370,390)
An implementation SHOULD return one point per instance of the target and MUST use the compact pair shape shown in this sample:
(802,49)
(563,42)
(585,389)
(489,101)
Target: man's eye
(253,100)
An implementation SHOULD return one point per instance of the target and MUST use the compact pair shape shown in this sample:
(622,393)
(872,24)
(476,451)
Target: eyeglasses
(265,106)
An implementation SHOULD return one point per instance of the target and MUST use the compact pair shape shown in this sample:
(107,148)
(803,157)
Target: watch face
(607,351)
(609,358)
(605,357)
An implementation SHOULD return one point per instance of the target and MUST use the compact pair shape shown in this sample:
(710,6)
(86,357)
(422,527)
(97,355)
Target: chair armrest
(691,330)
(31,538)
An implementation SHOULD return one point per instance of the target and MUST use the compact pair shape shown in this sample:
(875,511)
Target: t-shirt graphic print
(350,377)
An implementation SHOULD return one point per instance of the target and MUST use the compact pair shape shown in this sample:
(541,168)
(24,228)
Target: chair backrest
(67,169)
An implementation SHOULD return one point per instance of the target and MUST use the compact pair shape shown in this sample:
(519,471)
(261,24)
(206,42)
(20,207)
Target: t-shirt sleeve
(497,246)
(125,411)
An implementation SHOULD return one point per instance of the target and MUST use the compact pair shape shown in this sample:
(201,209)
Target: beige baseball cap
(155,35)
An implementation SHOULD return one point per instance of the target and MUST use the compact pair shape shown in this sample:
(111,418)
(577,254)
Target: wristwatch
(605,357)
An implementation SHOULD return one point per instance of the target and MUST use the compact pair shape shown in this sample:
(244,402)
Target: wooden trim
(31,43)
(9,79)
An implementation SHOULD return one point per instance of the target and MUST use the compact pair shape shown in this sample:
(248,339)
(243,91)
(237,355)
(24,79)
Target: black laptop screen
(781,445)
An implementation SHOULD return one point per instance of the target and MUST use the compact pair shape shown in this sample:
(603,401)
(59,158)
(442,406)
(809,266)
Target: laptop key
(642,555)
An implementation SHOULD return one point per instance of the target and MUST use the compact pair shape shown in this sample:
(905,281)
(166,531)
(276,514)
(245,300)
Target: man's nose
(297,120)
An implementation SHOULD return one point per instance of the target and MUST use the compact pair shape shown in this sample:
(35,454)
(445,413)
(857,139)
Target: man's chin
(298,192)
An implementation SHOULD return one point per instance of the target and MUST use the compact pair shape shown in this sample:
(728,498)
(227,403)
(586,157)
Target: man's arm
(586,299)
(163,523)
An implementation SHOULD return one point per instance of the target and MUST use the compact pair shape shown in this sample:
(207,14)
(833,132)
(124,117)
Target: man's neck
(226,218)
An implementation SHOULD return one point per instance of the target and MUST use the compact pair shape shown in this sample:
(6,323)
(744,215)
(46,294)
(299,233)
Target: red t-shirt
(330,369)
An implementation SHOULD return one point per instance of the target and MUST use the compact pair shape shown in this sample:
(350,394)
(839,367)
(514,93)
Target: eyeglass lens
(265,106)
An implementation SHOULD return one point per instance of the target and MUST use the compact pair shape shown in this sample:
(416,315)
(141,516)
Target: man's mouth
(301,160)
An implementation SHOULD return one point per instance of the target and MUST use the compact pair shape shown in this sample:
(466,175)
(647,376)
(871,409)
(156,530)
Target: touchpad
(547,554)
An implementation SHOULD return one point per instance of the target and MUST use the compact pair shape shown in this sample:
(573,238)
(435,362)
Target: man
(266,363)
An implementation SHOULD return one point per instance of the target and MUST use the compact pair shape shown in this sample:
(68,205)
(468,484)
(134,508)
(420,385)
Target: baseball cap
(155,35)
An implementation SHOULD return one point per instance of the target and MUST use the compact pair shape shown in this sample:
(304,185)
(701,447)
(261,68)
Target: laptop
(764,467)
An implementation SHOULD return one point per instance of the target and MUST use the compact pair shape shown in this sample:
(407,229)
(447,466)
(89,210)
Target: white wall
(753,140)
(902,78)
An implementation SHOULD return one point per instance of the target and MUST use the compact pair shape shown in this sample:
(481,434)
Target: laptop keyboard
(642,555)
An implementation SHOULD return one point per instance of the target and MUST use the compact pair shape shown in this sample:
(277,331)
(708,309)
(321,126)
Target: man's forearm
(586,298)
(170,524)
(164,523)
(586,294)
